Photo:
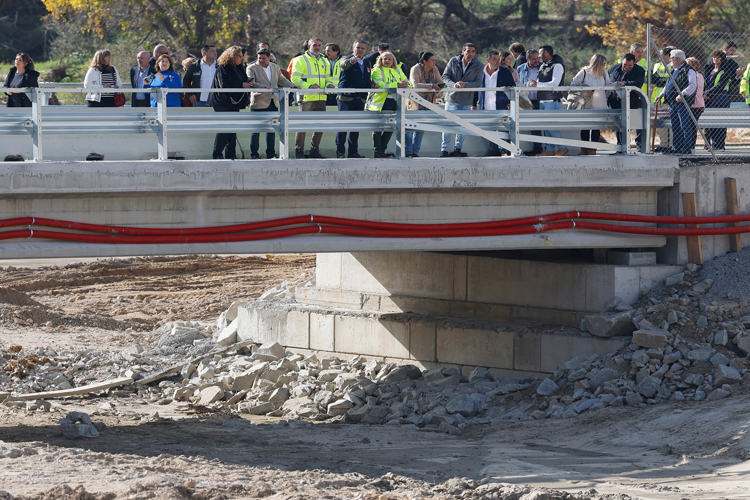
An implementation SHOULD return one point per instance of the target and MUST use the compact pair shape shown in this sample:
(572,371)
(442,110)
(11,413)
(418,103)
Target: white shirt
(557,74)
(533,75)
(207,78)
(267,69)
(489,96)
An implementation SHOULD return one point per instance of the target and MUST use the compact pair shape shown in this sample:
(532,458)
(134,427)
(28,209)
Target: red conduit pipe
(306,219)
(663,231)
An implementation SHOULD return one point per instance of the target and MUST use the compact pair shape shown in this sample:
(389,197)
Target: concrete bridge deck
(424,190)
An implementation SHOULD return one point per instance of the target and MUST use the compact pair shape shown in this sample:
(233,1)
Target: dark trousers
(697,112)
(353,140)
(682,128)
(380,139)
(717,136)
(538,146)
(142,103)
(591,135)
(270,138)
(225,145)
(106,102)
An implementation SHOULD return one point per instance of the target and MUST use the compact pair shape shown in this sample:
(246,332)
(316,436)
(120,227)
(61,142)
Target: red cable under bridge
(44,228)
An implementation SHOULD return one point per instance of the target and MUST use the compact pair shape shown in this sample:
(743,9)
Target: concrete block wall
(475,287)
(428,341)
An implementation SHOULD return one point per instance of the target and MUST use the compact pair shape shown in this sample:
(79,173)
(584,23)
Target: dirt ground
(676,450)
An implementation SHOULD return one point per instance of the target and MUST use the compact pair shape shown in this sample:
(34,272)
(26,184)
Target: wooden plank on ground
(733,208)
(74,391)
(694,244)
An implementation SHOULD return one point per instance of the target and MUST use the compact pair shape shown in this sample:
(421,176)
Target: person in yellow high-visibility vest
(745,85)
(311,70)
(637,50)
(659,77)
(385,75)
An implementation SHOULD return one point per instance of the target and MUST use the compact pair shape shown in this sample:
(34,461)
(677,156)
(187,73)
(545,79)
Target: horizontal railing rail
(508,128)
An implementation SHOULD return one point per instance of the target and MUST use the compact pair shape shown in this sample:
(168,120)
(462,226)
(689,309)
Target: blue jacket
(172,81)
(504,79)
(523,73)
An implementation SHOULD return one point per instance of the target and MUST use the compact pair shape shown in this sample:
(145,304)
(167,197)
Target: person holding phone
(423,75)
(165,77)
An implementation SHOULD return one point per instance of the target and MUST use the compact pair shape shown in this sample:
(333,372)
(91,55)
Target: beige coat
(415,77)
(261,100)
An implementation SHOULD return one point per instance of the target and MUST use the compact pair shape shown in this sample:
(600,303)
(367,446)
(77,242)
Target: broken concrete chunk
(478,374)
(726,375)
(602,376)
(610,325)
(547,388)
(77,425)
(648,387)
(338,407)
(674,279)
(211,395)
(403,372)
(228,335)
(651,338)
(701,354)
(256,409)
(270,352)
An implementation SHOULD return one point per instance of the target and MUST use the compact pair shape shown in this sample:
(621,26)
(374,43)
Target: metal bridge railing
(508,128)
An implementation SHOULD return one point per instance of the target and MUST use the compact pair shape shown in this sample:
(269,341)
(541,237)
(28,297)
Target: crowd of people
(679,84)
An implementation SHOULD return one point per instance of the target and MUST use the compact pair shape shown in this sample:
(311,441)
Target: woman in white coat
(593,75)
(101,75)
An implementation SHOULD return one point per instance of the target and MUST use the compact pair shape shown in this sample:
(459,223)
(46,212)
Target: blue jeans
(682,128)
(413,142)
(446,143)
(551,133)
(200,104)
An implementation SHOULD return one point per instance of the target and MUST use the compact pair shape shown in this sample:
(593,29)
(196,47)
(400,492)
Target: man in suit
(627,73)
(355,74)
(137,74)
(200,75)
(263,74)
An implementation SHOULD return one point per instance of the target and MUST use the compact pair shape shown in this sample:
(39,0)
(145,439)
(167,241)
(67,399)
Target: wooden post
(733,208)
(695,248)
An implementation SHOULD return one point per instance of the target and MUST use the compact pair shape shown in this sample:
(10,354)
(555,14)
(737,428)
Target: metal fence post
(625,114)
(515,127)
(400,122)
(649,69)
(36,118)
(161,116)
(284,125)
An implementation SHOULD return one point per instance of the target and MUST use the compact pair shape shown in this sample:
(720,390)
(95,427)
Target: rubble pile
(686,345)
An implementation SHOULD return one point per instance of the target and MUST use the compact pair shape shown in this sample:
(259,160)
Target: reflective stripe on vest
(745,84)
(718,77)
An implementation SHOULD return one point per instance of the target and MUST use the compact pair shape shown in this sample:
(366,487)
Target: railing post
(284,124)
(36,118)
(648,70)
(400,121)
(513,130)
(161,116)
(625,115)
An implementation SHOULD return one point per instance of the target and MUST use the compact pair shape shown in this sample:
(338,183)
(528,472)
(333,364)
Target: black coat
(133,83)
(228,77)
(633,78)
(504,79)
(192,78)
(30,79)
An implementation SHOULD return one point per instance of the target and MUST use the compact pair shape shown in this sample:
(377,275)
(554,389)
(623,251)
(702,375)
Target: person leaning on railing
(718,78)
(165,77)
(423,75)
(228,76)
(385,75)
(21,75)
(101,75)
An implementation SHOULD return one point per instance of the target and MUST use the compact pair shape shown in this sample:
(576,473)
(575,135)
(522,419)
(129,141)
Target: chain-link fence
(705,112)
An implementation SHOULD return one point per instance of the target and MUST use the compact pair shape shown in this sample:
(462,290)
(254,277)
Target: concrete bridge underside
(431,301)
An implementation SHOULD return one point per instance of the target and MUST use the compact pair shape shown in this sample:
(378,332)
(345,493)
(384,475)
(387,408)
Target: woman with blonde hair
(101,75)
(228,75)
(385,75)
(593,75)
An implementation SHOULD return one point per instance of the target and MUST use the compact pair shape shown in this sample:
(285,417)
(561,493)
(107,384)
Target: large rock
(701,354)
(338,407)
(610,325)
(462,404)
(270,352)
(510,384)
(300,408)
(651,338)
(211,395)
(726,375)
(602,376)
(257,408)
(403,372)
(743,344)
(648,387)
(547,388)
(228,335)
(77,425)
(243,381)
